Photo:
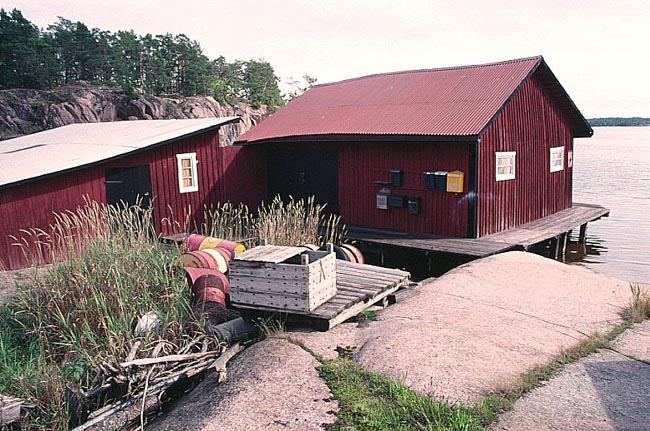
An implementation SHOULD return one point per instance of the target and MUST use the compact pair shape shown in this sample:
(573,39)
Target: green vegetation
(368,401)
(154,65)
(639,308)
(295,222)
(109,270)
(618,121)
(81,312)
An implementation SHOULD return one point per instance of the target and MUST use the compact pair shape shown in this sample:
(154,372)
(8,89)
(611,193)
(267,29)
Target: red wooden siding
(530,124)
(361,164)
(226,173)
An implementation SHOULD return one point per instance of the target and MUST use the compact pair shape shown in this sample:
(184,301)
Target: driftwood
(167,385)
(10,409)
(169,358)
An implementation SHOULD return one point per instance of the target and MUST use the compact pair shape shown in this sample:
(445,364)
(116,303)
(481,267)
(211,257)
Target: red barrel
(358,256)
(193,242)
(210,242)
(199,278)
(219,258)
(210,294)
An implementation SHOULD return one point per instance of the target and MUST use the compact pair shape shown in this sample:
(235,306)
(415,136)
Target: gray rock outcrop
(25,111)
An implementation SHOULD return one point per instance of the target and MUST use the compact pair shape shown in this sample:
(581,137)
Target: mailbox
(414,205)
(429,181)
(440,179)
(396,201)
(396,177)
(382,199)
(455,182)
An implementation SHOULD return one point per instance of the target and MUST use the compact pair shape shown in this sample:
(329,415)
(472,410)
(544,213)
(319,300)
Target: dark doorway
(126,184)
(303,173)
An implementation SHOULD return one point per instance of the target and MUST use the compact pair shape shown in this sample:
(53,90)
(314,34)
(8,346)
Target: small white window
(187,176)
(557,159)
(505,166)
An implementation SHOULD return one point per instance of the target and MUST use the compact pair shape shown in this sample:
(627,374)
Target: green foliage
(154,65)
(295,222)
(368,401)
(25,57)
(82,310)
(262,84)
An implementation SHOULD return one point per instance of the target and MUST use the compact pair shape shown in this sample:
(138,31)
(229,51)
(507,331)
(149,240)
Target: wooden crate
(285,278)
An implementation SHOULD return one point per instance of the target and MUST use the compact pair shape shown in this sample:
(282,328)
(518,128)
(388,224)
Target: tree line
(160,65)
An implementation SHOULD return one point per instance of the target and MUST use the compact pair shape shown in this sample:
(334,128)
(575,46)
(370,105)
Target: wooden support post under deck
(562,248)
(555,248)
(583,234)
(582,239)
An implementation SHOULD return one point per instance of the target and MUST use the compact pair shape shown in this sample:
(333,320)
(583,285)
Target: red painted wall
(224,173)
(530,124)
(361,164)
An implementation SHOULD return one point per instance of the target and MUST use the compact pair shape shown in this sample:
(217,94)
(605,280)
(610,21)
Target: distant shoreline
(619,122)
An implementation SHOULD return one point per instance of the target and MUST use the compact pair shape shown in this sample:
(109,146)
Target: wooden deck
(358,287)
(519,238)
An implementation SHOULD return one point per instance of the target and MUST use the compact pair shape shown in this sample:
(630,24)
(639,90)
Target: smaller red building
(178,162)
(461,151)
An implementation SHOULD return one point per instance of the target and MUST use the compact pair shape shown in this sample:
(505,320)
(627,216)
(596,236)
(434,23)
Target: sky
(599,50)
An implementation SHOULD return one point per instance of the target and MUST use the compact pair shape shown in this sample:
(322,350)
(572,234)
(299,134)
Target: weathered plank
(519,238)
(9,409)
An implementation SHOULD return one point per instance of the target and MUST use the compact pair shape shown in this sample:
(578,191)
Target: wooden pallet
(358,287)
(9,409)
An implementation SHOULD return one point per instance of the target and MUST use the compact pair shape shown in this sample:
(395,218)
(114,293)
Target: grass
(639,308)
(368,401)
(109,270)
(295,222)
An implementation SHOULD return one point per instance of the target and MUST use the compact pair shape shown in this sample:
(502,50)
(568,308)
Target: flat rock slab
(272,385)
(480,326)
(607,391)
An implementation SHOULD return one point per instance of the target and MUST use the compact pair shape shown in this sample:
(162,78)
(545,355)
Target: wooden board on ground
(359,286)
(9,409)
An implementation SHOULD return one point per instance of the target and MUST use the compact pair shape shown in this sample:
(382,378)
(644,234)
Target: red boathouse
(460,152)
(179,162)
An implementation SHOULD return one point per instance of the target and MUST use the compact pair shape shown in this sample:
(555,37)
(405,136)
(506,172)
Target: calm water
(612,169)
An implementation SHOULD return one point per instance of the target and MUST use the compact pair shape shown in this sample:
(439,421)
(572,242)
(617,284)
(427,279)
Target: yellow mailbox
(455,182)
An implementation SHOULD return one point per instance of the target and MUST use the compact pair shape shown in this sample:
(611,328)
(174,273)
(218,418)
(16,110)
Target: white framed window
(557,159)
(187,175)
(505,165)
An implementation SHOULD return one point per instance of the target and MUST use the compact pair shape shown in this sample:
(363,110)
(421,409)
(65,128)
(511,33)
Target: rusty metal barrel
(355,253)
(210,258)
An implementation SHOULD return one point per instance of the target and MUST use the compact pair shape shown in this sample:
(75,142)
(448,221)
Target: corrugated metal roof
(448,102)
(76,145)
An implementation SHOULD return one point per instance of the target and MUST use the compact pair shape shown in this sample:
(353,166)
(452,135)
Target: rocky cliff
(24,111)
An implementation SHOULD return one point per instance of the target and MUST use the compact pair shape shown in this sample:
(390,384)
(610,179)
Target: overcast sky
(599,50)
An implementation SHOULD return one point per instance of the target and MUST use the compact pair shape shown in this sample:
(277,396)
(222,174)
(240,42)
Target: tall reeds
(109,270)
(294,222)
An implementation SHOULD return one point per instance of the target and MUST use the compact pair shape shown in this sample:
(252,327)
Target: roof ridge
(539,58)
